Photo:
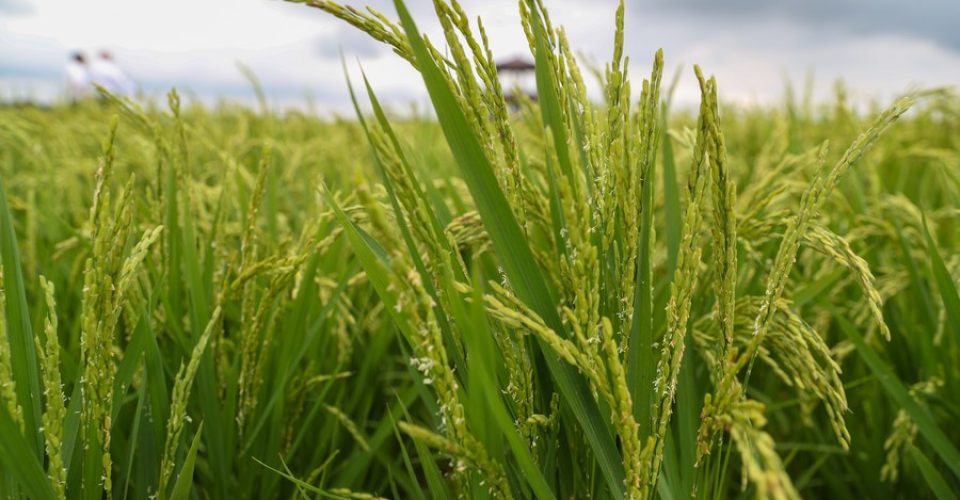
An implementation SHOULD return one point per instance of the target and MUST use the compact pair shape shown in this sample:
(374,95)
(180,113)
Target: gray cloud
(935,20)
(879,48)
(15,7)
(353,43)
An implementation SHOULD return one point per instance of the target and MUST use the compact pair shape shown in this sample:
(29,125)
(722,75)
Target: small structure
(515,65)
(517,79)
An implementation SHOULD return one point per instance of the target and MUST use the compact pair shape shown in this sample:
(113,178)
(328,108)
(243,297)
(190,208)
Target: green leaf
(157,383)
(549,99)
(126,466)
(408,465)
(671,201)
(896,390)
(374,263)
(71,436)
(293,364)
(23,467)
(514,254)
(23,354)
(414,251)
(181,489)
(484,360)
(642,356)
(129,365)
(936,482)
(946,285)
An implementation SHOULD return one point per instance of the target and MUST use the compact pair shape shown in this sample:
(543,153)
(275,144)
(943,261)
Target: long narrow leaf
(512,249)
(19,331)
(896,390)
(934,479)
(181,489)
(948,289)
(23,467)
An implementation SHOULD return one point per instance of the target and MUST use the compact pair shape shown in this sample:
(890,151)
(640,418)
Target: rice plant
(575,299)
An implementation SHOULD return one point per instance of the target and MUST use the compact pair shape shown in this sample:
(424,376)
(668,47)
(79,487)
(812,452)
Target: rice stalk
(55,409)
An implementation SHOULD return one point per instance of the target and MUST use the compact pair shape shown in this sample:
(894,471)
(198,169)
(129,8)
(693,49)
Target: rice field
(575,298)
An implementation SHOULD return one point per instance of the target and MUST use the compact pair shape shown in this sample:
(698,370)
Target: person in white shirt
(78,77)
(105,72)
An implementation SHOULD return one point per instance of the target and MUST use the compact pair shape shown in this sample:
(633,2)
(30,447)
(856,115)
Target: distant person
(105,73)
(78,77)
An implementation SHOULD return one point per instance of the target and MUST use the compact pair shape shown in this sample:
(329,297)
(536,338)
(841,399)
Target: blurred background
(878,47)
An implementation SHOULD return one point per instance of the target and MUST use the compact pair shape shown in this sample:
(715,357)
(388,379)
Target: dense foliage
(568,299)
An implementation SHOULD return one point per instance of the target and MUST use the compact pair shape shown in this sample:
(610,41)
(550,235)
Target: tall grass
(579,299)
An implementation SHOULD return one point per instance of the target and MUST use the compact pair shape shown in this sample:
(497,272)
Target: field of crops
(571,299)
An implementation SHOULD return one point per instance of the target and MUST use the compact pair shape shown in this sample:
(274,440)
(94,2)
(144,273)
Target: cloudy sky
(879,47)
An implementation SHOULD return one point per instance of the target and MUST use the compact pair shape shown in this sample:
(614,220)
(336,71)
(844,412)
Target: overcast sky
(879,47)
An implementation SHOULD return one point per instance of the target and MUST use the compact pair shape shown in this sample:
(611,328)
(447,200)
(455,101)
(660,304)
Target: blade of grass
(641,355)
(23,467)
(408,465)
(311,336)
(129,365)
(896,390)
(945,283)
(126,468)
(23,356)
(414,252)
(181,489)
(484,360)
(936,482)
(671,200)
(549,100)
(512,249)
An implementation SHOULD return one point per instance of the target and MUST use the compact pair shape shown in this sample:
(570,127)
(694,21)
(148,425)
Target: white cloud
(294,48)
(754,60)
